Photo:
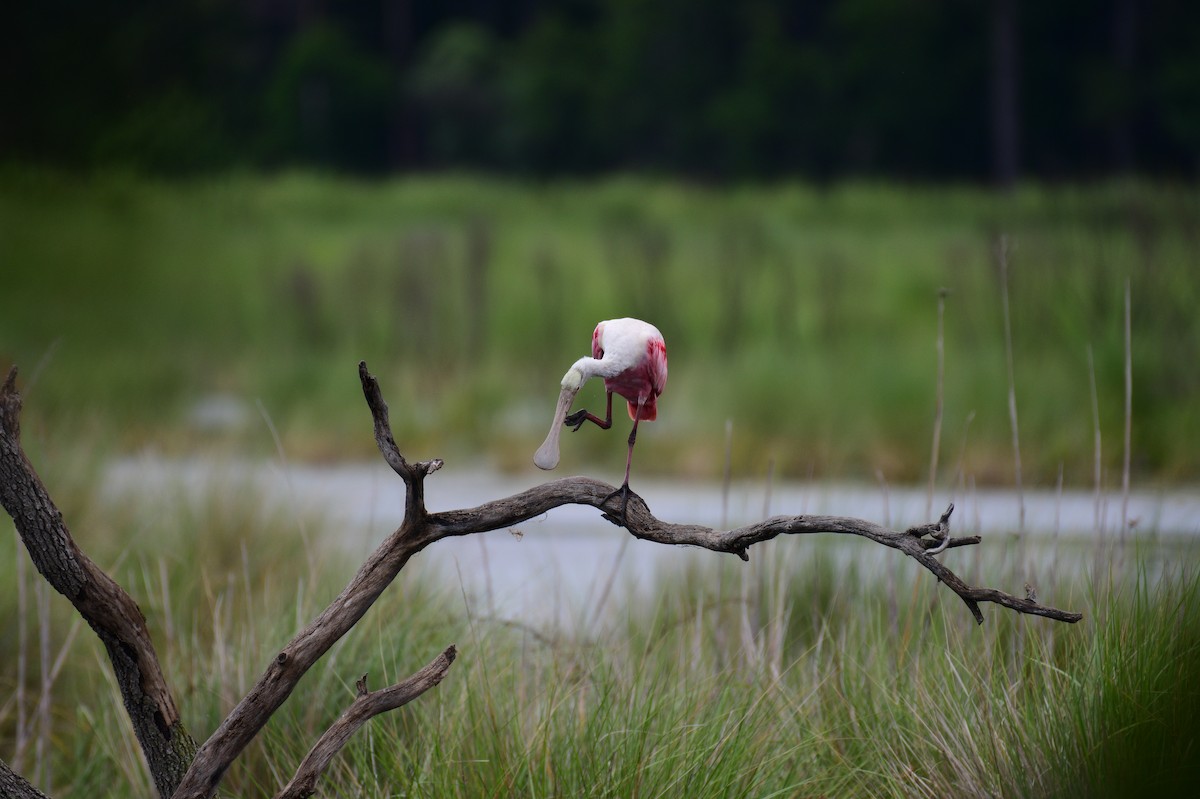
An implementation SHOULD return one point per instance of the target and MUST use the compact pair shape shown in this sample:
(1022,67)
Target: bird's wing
(656,354)
(598,342)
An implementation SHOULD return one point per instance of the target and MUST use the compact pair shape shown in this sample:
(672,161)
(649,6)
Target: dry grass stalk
(940,393)
(1002,258)
(18,760)
(1128,417)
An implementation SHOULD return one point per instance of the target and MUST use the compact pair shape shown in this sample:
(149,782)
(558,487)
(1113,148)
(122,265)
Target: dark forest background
(941,89)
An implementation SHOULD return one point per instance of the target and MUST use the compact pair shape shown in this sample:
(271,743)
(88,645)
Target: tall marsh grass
(805,314)
(810,682)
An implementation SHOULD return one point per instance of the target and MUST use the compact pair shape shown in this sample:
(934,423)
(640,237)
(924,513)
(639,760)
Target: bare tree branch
(14,786)
(106,607)
(118,622)
(365,706)
(177,767)
(279,680)
(644,525)
(421,528)
(281,676)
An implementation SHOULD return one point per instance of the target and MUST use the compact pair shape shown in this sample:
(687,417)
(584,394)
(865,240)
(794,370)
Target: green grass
(806,315)
(808,679)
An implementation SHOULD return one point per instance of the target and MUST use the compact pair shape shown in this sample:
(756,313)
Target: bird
(631,356)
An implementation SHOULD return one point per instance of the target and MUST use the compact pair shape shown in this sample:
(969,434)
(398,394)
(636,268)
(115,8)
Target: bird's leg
(577,419)
(624,489)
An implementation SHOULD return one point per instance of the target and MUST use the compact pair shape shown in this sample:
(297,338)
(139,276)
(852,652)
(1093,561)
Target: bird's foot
(624,492)
(577,419)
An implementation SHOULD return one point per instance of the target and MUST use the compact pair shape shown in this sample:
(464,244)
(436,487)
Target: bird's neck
(586,368)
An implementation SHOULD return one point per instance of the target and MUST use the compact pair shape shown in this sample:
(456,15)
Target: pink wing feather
(652,372)
(656,357)
(597,350)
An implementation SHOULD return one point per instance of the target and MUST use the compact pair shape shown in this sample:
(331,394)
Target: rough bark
(366,706)
(644,525)
(119,623)
(102,603)
(14,786)
(277,683)
(421,528)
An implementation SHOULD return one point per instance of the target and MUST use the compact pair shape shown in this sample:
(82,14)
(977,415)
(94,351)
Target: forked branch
(169,749)
(422,528)
(177,767)
(641,523)
(366,705)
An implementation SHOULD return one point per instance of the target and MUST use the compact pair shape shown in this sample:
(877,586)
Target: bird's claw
(575,420)
(624,491)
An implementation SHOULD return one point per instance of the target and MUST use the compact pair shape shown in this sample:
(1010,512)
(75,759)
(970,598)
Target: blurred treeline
(703,88)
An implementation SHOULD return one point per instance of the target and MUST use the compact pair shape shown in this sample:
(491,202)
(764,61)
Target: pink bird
(631,356)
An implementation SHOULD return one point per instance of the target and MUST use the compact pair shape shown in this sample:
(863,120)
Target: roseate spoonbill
(631,356)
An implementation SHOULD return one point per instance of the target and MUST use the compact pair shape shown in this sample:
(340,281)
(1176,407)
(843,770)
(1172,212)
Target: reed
(814,696)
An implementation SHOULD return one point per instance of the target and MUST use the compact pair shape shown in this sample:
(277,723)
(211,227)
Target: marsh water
(559,565)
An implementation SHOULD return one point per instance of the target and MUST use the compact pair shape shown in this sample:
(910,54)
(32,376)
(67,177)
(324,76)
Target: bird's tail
(649,410)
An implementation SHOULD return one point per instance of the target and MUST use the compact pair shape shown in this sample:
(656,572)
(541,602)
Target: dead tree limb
(421,528)
(102,603)
(276,684)
(366,705)
(177,767)
(121,626)
(641,523)
(644,525)
(14,786)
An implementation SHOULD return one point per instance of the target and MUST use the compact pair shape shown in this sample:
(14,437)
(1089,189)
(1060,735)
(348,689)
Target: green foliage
(706,88)
(457,86)
(808,672)
(1138,726)
(327,102)
(175,132)
(806,316)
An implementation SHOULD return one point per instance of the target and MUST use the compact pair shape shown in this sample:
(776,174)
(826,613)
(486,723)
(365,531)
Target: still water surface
(554,567)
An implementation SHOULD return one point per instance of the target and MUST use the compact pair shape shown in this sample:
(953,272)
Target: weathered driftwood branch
(377,573)
(14,786)
(421,528)
(121,626)
(641,523)
(177,767)
(102,603)
(366,705)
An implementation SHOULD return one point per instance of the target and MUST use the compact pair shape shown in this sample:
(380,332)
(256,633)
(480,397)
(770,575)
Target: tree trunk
(102,603)
(181,770)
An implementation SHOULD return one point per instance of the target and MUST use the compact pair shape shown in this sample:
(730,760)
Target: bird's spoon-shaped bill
(547,455)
